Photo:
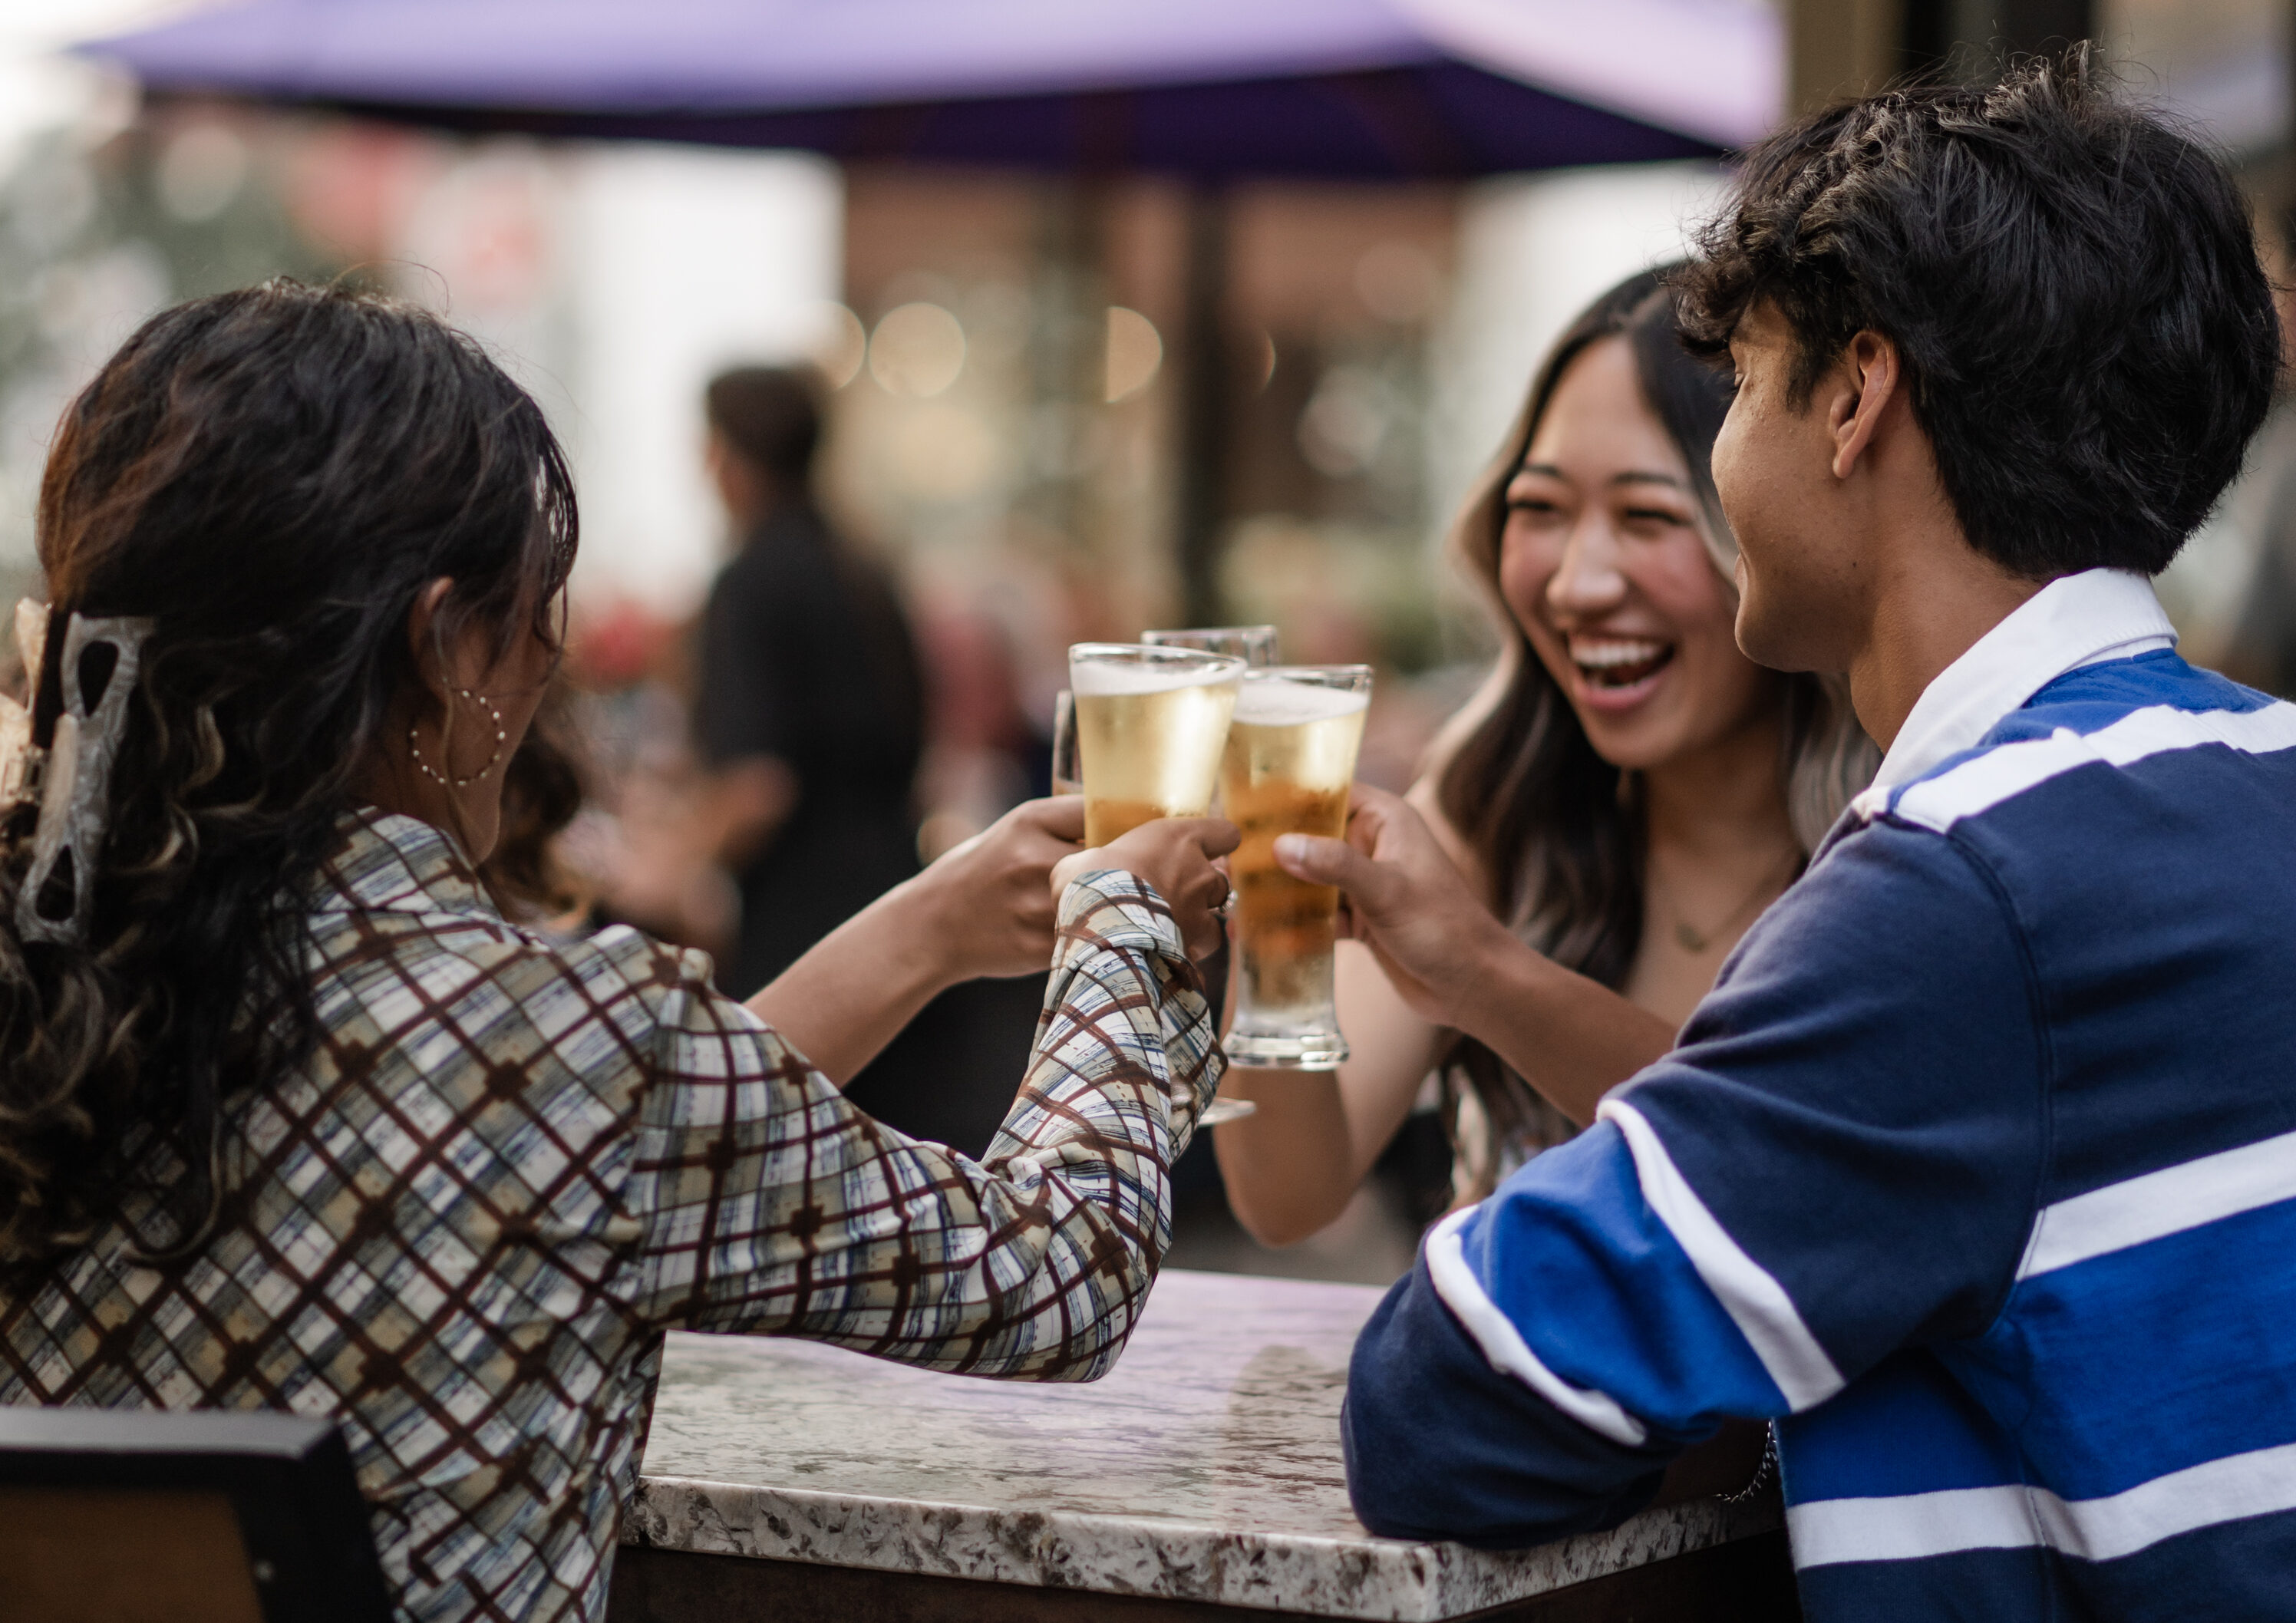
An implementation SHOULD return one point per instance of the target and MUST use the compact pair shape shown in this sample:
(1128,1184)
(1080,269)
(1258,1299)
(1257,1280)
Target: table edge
(1416,1581)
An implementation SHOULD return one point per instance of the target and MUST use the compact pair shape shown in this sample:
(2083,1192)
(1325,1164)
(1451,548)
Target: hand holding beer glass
(1145,727)
(1290,760)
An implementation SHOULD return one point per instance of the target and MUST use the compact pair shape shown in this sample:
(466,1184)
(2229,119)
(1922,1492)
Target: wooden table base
(1749,1581)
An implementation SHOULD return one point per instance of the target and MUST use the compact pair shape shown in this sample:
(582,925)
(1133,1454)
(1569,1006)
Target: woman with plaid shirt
(292,1116)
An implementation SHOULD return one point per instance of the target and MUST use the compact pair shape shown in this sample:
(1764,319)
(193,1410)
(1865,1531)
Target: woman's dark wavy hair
(1559,828)
(273,475)
(2072,284)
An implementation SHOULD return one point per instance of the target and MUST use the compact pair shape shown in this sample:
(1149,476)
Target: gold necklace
(1694,939)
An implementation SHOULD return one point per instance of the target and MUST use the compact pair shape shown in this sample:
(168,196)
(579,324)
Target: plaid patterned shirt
(512,1164)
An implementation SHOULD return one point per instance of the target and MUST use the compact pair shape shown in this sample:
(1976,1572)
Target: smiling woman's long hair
(1559,830)
(272,476)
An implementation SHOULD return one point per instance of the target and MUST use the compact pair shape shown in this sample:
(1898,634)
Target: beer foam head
(1272,702)
(1108,678)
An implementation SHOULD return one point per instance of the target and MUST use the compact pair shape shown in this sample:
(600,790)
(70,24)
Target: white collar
(2074,620)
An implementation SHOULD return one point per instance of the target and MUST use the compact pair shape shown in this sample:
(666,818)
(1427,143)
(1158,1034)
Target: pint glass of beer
(1150,724)
(1291,757)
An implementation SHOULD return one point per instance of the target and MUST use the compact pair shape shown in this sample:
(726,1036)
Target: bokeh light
(1398,282)
(1134,353)
(840,343)
(201,171)
(943,453)
(918,349)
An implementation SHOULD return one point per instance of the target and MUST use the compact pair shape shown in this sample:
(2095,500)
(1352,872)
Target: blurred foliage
(94,239)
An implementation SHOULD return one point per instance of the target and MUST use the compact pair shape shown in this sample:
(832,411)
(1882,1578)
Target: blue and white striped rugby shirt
(1977,1171)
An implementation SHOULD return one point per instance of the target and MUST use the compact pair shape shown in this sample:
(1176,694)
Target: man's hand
(1406,902)
(1177,857)
(991,901)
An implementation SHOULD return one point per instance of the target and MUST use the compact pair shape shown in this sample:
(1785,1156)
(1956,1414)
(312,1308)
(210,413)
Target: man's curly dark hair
(2071,283)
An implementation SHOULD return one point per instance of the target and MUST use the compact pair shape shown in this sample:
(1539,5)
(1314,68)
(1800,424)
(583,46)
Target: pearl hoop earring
(502,737)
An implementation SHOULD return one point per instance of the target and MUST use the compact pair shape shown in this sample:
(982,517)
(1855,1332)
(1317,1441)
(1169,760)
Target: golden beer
(1150,723)
(1291,757)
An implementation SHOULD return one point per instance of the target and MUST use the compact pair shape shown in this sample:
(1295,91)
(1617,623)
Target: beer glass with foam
(1291,757)
(1150,725)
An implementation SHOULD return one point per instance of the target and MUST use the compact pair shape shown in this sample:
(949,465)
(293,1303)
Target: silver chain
(1763,1472)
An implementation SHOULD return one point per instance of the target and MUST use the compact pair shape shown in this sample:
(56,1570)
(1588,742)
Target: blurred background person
(809,712)
(809,722)
(1629,790)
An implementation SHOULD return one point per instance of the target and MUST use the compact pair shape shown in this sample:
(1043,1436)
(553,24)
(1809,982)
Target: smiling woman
(1629,788)
(1604,565)
(1627,793)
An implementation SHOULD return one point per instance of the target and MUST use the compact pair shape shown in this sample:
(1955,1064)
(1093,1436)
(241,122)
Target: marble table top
(1206,1467)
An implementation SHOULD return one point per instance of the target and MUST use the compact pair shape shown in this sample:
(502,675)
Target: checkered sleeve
(772,1205)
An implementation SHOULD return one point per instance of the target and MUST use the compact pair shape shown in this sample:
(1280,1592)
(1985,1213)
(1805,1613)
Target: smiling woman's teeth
(1618,661)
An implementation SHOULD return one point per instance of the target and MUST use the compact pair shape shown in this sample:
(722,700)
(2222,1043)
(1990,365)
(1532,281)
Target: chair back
(182,1516)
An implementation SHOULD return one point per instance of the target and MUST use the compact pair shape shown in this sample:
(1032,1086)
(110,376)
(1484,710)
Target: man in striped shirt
(1976,1173)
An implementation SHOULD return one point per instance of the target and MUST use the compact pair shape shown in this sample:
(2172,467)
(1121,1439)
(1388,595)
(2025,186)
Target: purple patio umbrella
(1369,89)
(1208,90)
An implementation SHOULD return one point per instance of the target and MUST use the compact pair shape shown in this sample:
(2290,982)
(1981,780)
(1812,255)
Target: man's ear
(421,639)
(1866,379)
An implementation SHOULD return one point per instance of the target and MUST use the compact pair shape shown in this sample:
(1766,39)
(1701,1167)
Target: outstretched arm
(985,908)
(1292,1165)
(770,1204)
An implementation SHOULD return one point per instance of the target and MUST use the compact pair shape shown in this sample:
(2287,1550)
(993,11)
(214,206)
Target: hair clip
(96,677)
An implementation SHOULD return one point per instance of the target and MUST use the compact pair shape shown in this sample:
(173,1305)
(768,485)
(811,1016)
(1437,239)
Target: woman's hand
(1457,965)
(1405,901)
(991,900)
(1177,857)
